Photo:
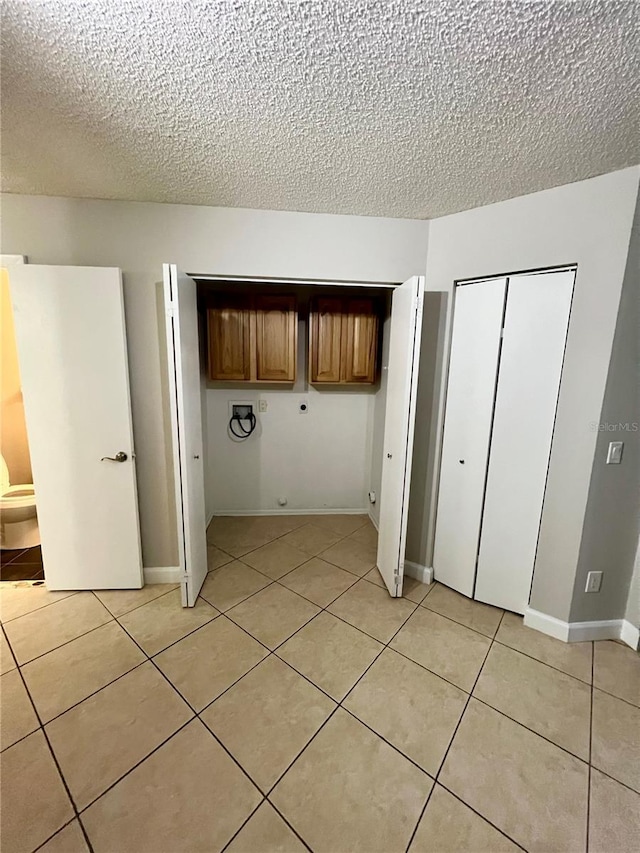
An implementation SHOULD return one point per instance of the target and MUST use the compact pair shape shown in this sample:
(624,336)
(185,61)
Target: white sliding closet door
(475,347)
(535,332)
(186,421)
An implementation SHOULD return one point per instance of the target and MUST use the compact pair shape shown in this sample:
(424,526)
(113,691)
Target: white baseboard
(579,632)
(424,574)
(372,519)
(630,635)
(285,510)
(162,574)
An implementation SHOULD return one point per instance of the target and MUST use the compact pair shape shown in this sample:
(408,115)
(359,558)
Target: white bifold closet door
(506,363)
(533,342)
(475,346)
(183,358)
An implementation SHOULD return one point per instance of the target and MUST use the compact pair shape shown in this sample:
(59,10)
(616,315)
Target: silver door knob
(119,457)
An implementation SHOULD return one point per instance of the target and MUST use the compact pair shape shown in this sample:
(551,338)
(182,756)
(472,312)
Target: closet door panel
(276,338)
(475,347)
(535,332)
(325,340)
(228,338)
(360,341)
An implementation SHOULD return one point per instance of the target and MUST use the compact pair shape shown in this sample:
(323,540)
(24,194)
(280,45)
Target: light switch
(614,456)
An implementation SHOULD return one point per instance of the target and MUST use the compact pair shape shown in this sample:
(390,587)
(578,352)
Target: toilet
(18,517)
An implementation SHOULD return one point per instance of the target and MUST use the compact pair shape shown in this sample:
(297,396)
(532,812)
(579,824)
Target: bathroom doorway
(20,552)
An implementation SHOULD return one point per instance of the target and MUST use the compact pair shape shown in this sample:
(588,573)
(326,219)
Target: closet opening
(292,410)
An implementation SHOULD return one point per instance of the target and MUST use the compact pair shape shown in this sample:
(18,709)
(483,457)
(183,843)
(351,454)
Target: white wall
(587,223)
(139,237)
(612,518)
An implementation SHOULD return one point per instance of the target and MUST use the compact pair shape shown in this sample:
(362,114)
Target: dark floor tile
(30,555)
(20,571)
(8,555)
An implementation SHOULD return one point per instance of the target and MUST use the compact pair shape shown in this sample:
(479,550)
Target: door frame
(279,281)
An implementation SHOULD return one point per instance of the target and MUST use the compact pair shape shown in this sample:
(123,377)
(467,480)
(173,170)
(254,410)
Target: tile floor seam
(613,779)
(243,824)
(95,692)
(242,600)
(388,742)
(153,663)
(464,710)
(290,825)
(138,606)
(420,816)
(550,665)
(451,619)
(593,660)
(529,729)
(453,736)
(57,832)
(49,604)
(15,557)
(614,696)
(188,634)
(337,704)
(264,574)
(235,760)
(341,538)
(135,766)
(66,642)
(480,815)
(282,535)
(356,579)
(55,761)
(303,750)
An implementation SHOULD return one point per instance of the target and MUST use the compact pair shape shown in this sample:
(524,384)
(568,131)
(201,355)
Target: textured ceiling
(376,107)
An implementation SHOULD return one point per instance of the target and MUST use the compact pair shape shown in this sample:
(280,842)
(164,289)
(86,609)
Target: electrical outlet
(594,582)
(614,454)
(262,405)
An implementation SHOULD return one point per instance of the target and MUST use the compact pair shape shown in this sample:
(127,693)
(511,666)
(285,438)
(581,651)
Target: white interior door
(535,332)
(400,410)
(72,349)
(183,354)
(473,367)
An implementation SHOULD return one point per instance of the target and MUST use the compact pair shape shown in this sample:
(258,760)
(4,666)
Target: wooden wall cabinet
(252,338)
(343,341)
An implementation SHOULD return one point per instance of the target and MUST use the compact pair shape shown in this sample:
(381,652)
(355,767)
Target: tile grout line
(593,662)
(448,749)
(55,761)
(32,584)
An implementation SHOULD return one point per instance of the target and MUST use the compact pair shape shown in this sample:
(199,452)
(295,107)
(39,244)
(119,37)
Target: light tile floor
(298,706)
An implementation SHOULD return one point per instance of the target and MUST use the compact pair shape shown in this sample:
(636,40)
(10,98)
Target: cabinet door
(325,340)
(228,335)
(359,341)
(276,338)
